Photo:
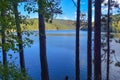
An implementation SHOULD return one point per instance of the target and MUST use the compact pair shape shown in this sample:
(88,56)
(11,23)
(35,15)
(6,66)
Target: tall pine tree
(77,62)
(89,42)
(97,41)
(46,9)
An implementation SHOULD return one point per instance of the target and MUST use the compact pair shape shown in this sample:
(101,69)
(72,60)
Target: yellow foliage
(118,26)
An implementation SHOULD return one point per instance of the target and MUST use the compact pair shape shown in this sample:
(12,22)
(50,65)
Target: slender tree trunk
(97,41)
(3,42)
(77,41)
(89,42)
(19,34)
(42,40)
(108,39)
(5,77)
(3,51)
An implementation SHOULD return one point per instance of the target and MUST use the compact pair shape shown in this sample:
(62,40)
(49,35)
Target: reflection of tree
(113,55)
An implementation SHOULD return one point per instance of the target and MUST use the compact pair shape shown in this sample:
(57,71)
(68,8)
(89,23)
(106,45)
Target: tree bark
(77,63)
(19,34)
(89,42)
(97,41)
(108,39)
(3,42)
(3,25)
(42,40)
(3,50)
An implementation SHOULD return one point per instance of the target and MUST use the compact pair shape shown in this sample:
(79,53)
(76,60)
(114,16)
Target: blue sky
(68,8)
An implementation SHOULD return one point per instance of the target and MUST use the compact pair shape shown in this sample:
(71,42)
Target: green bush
(12,72)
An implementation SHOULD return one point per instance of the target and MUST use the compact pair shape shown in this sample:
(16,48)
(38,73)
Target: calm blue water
(60,55)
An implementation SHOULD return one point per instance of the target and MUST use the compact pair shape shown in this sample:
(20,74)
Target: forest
(46,48)
(61,24)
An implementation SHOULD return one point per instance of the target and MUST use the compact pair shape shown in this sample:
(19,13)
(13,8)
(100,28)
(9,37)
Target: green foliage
(55,25)
(8,26)
(49,8)
(12,72)
(116,23)
(117,35)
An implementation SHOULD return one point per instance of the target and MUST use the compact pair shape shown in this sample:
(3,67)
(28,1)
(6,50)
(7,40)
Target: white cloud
(65,18)
(62,17)
(75,14)
(93,8)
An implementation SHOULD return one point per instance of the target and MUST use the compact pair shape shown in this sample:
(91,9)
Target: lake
(60,55)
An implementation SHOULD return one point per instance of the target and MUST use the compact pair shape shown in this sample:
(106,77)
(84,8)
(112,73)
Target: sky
(68,8)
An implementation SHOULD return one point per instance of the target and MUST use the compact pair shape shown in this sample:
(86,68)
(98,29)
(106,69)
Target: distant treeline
(60,24)
(57,24)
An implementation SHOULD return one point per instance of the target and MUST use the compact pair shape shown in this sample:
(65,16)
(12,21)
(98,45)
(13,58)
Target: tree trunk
(3,25)
(108,39)
(3,42)
(97,41)
(77,41)
(42,40)
(89,42)
(19,34)
(3,50)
